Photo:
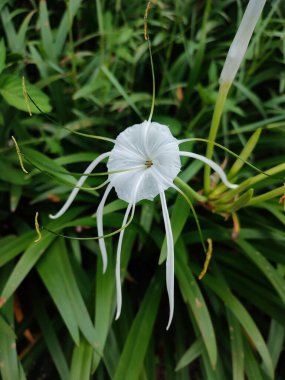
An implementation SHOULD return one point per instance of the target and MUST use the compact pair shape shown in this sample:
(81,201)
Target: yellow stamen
(26,96)
(148,163)
(208,258)
(19,155)
(37,228)
(145,21)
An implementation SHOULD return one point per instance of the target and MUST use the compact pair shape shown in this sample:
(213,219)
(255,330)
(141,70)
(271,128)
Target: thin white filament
(99,215)
(80,182)
(118,260)
(213,165)
(170,258)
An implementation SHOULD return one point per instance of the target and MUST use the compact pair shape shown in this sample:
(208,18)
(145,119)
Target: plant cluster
(88,77)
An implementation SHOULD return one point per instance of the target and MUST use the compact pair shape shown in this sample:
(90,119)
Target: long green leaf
(244,318)
(132,358)
(56,272)
(193,296)
(267,269)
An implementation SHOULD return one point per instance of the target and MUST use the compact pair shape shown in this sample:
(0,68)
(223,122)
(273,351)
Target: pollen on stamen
(148,163)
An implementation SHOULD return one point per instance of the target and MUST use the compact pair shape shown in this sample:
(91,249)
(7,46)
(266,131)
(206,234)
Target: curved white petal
(118,261)
(80,182)
(99,215)
(213,165)
(170,258)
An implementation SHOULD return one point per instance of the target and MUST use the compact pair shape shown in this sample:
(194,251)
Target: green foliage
(87,68)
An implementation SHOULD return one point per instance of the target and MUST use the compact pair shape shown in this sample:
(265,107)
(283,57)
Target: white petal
(148,141)
(213,165)
(170,258)
(99,216)
(80,182)
(118,261)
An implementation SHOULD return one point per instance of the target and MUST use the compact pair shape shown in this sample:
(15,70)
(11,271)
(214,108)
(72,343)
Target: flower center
(148,163)
(152,146)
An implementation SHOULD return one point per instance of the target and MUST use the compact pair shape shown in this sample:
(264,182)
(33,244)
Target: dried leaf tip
(208,258)
(26,96)
(37,227)
(19,155)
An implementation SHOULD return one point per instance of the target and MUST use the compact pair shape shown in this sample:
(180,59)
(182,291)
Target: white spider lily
(151,148)
(240,43)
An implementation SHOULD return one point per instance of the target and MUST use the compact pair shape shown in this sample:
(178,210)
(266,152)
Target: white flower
(146,159)
(241,40)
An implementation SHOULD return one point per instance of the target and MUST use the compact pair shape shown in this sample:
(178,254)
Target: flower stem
(192,194)
(219,106)
(264,197)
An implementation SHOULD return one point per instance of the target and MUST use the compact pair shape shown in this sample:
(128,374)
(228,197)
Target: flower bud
(241,40)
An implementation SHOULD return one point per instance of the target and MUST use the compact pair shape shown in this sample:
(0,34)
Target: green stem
(192,194)
(219,106)
(71,41)
(153,81)
(251,181)
(265,197)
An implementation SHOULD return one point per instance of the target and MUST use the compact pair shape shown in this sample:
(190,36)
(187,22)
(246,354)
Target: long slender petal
(213,165)
(118,261)
(119,248)
(99,215)
(80,182)
(170,258)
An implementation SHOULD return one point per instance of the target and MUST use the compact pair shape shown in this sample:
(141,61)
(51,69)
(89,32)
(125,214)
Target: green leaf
(66,25)
(105,287)
(46,32)
(266,268)
(11,175)
(193,352)
(50,337)
(81,361)
(14,246)
(33,253)
(2,55)
(6,329)
(236,339)
(194,298)
(245,153)
(15,196)
(26,263)
(132,358)
(241,314)
(56,272)
(121,90)
(10,367)
(276,341)
(252,366)
(12,92)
